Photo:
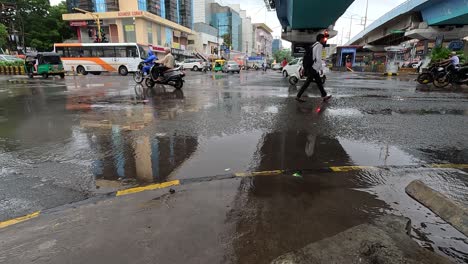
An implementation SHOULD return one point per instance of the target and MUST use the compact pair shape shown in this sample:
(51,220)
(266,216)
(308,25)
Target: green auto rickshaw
(44,64)
(218,65)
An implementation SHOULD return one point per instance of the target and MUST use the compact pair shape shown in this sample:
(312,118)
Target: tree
(227,39)
(279,55)
(3,35)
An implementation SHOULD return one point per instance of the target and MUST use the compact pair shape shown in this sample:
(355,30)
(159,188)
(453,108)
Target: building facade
(229,25)
(276,45)
(263,39)
(159,23)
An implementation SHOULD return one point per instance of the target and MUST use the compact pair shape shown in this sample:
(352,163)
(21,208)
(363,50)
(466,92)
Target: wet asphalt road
(62,141)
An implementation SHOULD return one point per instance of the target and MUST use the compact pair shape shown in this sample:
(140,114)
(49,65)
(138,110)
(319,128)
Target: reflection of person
(313,68)
(168,62)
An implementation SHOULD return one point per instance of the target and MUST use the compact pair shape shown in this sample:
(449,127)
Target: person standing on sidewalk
(312,64)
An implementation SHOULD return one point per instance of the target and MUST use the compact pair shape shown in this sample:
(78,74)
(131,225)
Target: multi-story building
(160,23)
(276,45)
(246,44)
(263,39)
(229,25)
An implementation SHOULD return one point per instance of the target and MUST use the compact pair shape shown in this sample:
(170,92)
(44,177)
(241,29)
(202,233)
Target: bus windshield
(143,53)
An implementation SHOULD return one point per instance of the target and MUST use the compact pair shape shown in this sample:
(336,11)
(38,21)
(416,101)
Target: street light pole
(95,17)
(365,18)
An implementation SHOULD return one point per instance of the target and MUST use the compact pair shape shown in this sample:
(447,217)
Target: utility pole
(95,17)
(365,17)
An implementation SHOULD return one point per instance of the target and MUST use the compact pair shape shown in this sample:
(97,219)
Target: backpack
(309,60)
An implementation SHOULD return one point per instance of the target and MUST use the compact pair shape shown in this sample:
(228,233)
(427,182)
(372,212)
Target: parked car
(192,64)
(231,66)
(292,67)
(9,58)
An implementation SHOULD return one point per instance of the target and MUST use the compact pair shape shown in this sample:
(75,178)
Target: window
(149,29)
(98,52)
(87,52)
(108,52)
(132,52)
(159,34)
(142,5)
(121,52)
(62,51)
(75,52)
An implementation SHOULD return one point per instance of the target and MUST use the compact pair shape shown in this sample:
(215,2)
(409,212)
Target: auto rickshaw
(44,64)
(218,65)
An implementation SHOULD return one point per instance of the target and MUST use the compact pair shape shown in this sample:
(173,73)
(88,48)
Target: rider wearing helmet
(149,62)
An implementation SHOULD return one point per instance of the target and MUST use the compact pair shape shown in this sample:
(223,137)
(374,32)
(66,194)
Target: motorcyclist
(167,63)
(149,62)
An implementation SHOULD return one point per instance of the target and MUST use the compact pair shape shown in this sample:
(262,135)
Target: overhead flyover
(417,19)
(302,20)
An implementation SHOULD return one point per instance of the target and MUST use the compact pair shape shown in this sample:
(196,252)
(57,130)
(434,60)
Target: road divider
(291,173)
(442,206)
(19,219)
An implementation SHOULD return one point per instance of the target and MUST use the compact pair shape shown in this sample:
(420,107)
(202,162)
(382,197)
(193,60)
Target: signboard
(156,48)
(227,51)
(81,23)
(130,13)
(456,45)
(300,48)
(255,58)
(129,27)
(93,22)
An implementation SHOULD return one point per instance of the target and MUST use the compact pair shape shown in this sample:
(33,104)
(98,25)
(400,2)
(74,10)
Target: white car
(192,64)
(292,67)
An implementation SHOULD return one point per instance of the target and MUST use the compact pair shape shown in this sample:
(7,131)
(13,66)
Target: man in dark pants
(312,64)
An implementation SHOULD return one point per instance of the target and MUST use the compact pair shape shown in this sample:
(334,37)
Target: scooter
(173,77)
(299,75)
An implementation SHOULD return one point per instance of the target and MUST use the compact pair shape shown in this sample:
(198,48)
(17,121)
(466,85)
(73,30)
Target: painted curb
(451,212)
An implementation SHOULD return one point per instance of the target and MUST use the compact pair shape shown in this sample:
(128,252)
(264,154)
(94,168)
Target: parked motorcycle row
(443,75)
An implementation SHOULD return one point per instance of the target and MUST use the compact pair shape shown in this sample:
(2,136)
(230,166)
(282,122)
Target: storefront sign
(176,33)
(129,27)
(156,48)
(78,23)
(130,13)
(93,22)
(456,45)
(176,45)
(182,52)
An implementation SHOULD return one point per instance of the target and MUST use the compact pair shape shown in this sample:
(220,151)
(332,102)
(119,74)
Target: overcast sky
(257,11)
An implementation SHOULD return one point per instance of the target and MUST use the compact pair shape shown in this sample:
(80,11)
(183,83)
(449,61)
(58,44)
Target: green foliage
(3,35)
(41,25)
(12,63)
(279,55)
(440,53)
(227,39)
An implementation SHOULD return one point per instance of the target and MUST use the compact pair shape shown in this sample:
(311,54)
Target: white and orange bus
(95,58)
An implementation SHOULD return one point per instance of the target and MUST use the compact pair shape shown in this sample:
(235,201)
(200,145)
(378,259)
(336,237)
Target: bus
(95,58)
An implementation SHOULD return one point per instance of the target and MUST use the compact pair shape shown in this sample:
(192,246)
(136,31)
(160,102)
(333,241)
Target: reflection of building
(157,22)
(263,39)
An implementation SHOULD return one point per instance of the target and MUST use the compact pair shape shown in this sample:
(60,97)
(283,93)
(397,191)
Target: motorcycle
(452,75)
(173,77)
(139,75)
(299,75)
(434,71)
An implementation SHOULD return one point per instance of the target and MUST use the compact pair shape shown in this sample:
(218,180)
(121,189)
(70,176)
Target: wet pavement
(63,141)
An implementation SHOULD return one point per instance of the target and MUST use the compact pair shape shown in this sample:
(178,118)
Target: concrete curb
(451,212)
(290,173)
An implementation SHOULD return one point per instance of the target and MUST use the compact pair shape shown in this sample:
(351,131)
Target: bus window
(143,53)
(75,51)
(62,51)
(98,52)
(121,52)
(87,52)
(108,52)
(132,52)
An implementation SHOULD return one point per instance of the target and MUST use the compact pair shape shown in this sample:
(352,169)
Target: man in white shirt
(312,64)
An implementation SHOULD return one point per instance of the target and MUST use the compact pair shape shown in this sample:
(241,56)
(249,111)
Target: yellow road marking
(258,173)
(149,187)
(453,166)
(19,219)
(349,168)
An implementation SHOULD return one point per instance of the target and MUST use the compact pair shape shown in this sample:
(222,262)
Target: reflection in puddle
(368,154)
(344,112)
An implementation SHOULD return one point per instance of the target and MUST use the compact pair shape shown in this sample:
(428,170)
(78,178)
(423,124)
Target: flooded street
(64,141)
